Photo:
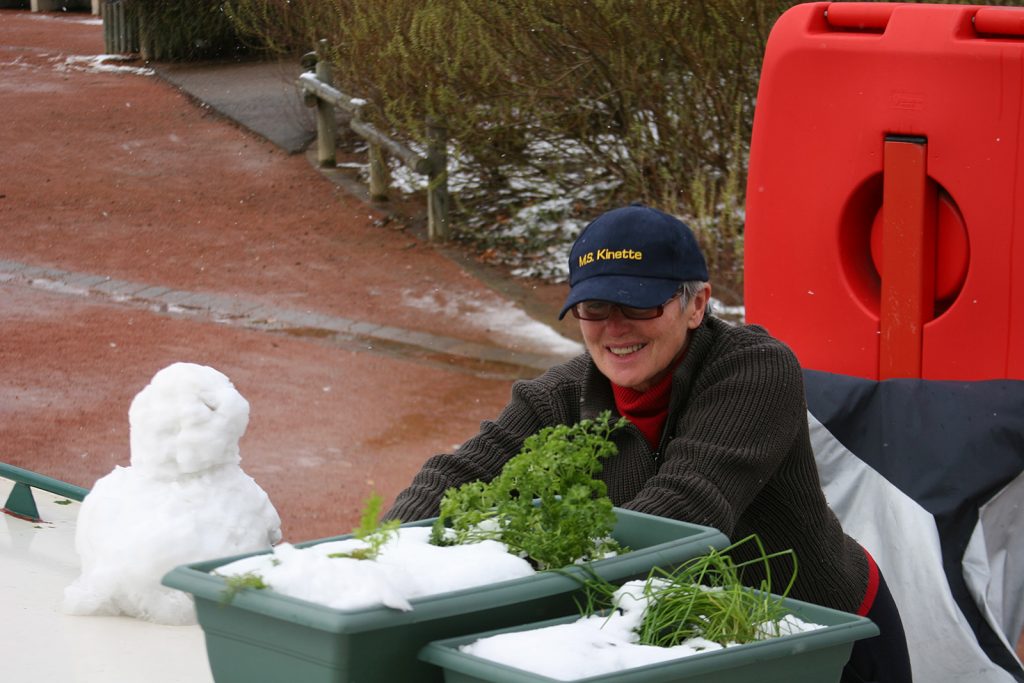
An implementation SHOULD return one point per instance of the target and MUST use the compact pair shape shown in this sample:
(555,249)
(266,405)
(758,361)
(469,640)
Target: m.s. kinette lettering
(610,255)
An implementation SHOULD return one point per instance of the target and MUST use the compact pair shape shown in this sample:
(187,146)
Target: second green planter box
(816,656)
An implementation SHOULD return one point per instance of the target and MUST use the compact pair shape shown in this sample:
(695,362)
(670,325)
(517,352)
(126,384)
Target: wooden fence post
(319,91)
(437,181)
(380,173)
(326,123)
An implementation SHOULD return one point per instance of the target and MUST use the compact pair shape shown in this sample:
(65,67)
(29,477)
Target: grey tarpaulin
(929,477)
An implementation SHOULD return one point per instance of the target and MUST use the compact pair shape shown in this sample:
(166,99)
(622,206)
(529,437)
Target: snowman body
(185,498)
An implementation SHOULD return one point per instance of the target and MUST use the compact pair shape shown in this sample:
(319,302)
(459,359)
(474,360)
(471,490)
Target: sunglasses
(602,310)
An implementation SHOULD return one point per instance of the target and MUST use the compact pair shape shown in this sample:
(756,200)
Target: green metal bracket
(21,502)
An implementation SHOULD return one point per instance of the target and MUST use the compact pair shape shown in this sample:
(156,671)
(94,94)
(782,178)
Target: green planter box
(266,636)
(811,657)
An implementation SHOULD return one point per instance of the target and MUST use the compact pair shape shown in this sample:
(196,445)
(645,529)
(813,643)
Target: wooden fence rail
(319,92)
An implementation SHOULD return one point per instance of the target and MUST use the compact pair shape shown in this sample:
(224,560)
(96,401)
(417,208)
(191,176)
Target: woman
(718,432)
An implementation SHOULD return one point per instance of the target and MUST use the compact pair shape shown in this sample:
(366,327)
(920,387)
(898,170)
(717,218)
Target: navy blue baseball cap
(635,256)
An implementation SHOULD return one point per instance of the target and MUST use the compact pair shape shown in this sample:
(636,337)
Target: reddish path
(124,176)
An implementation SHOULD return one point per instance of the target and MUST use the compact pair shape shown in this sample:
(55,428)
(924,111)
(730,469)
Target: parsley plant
(546,504)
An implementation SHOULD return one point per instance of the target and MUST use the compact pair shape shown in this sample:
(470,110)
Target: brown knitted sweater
(735,456)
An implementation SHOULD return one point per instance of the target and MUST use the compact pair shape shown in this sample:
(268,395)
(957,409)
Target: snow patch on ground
(101,64)
(90,21)
(504,321)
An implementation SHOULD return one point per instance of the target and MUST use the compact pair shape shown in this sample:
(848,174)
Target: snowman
(183,499)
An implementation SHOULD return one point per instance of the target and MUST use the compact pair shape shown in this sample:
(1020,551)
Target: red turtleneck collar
(647,409)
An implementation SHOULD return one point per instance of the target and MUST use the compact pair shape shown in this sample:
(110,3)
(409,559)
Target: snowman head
(188,419)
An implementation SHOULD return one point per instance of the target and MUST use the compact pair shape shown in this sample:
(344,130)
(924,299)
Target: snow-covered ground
(44,643)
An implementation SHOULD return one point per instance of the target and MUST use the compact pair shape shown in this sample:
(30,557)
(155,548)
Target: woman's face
(637,353)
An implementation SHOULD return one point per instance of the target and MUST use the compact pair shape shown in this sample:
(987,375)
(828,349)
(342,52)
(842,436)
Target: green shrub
(558,109)
(598,101)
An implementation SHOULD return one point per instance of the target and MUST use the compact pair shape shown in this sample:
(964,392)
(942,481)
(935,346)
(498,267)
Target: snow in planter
(602,644)
(496,532)
(408,566)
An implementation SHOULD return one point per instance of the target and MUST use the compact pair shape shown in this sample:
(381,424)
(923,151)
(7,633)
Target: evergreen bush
(184,30)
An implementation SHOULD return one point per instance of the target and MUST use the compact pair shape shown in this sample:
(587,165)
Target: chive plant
(704,597)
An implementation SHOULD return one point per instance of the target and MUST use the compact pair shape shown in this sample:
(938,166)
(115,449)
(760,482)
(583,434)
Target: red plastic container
(885,198)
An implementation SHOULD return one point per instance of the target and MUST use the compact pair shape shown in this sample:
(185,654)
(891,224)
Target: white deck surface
(40,643)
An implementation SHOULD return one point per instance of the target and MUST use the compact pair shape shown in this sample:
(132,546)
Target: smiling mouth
(625,350)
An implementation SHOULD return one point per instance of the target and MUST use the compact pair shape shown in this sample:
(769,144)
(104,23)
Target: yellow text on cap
(610,255)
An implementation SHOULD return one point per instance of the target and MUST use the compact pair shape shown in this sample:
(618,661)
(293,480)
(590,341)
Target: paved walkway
(254,315)
(261,96)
